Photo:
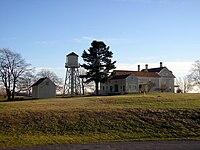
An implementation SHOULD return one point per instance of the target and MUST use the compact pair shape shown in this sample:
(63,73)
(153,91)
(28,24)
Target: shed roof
(39,81)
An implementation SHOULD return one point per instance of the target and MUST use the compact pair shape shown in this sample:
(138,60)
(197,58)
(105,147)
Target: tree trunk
(8,94)
(13,94)
(83,87)
(13,91)
(97,87)
(29,93)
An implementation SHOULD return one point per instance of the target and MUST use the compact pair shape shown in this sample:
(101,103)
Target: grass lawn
(155,116)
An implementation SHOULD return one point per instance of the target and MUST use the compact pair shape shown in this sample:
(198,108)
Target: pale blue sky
(137,31)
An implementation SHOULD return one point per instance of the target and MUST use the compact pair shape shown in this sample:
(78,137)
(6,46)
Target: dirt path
(146,145)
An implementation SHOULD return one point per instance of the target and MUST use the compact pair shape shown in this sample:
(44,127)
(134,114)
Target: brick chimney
(161,64)
(138,67)
(146,67)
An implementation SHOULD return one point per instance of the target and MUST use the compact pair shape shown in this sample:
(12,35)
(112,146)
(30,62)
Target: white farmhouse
(122,81)
(44,88)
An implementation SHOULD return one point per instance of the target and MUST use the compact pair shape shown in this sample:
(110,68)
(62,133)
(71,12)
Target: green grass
(157,116)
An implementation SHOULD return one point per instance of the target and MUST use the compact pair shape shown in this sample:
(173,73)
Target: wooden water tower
(72,80)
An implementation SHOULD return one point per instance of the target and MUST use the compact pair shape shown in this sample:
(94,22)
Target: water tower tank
(72,61)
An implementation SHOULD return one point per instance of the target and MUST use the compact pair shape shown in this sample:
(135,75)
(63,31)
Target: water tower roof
(72,54)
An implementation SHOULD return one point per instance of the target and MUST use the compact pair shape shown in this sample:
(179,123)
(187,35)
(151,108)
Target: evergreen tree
(98,63)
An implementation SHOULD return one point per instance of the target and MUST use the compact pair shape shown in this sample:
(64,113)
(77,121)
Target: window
(103,88)
(47,82)
(170,81)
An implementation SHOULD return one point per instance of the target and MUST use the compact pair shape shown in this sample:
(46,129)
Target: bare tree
(150,85)
(179,85)
(12,66)
(25,82)
(195,74)
(185,84)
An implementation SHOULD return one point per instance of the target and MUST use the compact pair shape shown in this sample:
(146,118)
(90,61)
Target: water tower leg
(66,83)
(72,81)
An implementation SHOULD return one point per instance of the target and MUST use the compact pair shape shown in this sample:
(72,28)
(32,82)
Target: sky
(137,31)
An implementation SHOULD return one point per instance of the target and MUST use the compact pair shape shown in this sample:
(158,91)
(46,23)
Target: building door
(123,88)
(111,89)
(116,88)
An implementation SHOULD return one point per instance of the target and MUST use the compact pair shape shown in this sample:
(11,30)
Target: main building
(148,79)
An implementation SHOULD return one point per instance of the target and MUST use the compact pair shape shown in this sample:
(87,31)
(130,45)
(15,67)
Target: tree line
(16,74)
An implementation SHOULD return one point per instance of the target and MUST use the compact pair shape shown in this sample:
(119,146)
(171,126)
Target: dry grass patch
(160,116)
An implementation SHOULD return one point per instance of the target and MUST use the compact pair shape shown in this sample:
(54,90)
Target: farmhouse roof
(39,81)
(122,72)
(146,74)
(115,77)
(126,73)
(154,69)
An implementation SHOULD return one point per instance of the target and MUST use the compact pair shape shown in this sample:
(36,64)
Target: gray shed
(44,88)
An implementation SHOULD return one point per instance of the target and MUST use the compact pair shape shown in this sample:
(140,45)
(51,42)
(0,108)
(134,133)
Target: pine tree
(98,63)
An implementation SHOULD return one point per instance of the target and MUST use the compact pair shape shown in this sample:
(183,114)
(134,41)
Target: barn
(44,88)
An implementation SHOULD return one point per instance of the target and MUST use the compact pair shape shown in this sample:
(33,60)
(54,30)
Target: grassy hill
(156,116)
